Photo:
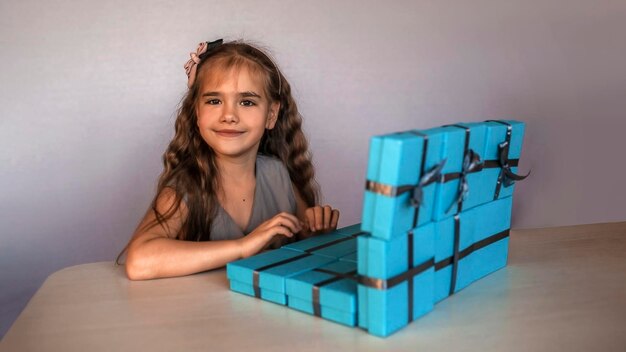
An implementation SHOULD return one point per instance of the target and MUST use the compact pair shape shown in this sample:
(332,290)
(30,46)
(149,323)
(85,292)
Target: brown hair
(189,164)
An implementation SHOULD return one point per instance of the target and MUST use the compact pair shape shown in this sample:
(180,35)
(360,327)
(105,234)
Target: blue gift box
(503,144)
(402,181)
(460,139)
(396,279)
(453,153)
(466,247)
(471,245)
(264,275)
(329,292)
(479,165)
(497,146)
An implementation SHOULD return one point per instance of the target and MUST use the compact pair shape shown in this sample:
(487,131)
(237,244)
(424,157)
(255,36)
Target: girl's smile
(229,133)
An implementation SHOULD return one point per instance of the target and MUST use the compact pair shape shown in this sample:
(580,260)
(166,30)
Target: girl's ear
(272,116)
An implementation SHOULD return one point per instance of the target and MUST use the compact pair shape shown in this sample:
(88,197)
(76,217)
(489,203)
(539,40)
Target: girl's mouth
(229,133)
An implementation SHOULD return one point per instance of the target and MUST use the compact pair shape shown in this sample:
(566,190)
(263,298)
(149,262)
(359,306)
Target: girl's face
(233,112)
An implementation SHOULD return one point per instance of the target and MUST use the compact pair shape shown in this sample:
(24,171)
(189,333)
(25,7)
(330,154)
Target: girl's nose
(229,114)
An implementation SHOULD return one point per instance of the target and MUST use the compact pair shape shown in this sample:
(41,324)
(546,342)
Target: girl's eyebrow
(242,94)
(249,94)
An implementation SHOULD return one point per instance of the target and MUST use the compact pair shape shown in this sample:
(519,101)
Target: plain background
(89,89)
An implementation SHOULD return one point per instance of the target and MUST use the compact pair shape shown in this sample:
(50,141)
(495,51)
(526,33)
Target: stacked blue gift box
(316,275)
(436,217)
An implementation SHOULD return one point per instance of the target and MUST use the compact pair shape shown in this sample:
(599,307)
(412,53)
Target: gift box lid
(401,155)
(335,282)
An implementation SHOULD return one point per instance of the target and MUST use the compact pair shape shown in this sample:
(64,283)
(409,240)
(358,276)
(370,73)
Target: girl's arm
(155,252)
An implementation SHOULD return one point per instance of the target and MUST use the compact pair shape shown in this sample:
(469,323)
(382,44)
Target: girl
(237,176)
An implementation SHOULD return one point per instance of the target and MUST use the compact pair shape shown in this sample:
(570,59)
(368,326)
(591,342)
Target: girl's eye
(247,103)
(213,101)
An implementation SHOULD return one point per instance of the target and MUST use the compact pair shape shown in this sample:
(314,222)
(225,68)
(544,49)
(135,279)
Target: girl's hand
(321,219)
(283,224)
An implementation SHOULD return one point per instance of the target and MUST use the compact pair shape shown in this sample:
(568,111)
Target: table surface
(564,289)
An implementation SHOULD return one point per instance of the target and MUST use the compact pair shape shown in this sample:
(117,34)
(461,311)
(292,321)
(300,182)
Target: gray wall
(88,91)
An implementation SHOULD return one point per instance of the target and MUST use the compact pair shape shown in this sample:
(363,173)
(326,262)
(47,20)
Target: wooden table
(563,290)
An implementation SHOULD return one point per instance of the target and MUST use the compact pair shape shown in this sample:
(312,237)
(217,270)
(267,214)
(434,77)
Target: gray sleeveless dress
(273,194)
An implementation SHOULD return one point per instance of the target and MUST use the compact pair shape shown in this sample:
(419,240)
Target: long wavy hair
(189,166)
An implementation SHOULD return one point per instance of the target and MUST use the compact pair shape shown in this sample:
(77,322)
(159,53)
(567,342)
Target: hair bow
(201,51)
